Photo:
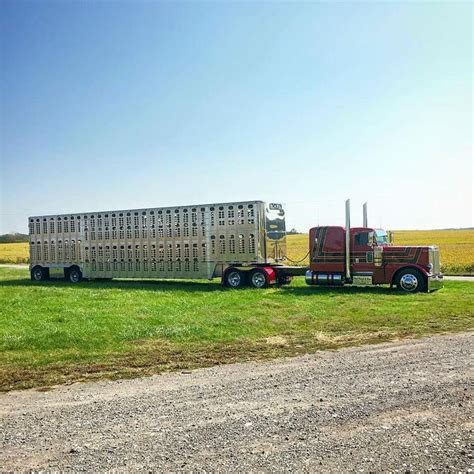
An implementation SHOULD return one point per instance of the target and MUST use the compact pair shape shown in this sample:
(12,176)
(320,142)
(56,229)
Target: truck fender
(417,267)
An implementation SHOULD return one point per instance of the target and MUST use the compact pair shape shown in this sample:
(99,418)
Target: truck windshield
(381,237)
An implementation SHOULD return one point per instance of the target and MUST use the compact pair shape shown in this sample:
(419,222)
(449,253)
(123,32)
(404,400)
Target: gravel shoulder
(403,406)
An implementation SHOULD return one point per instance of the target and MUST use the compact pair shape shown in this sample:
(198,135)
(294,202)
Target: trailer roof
(146,208)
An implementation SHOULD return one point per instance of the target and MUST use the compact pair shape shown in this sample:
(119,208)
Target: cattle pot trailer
(243,243)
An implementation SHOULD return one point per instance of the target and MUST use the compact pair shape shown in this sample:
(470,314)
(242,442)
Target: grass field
(457,248)
(54,332)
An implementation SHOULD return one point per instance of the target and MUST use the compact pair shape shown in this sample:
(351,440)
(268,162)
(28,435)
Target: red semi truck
(357,256)
(365,256)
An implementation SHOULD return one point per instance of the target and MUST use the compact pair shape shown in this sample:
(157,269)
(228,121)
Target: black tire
(284,279)
(38,273)
(73,275)
(258,278)
(410,280)
(234,278)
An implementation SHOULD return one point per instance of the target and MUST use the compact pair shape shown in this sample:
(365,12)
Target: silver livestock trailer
(241,242)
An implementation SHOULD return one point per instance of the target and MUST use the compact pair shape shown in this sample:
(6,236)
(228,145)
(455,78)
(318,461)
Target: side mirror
(390,236)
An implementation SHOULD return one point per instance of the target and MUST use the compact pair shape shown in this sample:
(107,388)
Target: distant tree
(13,238)
(293,231)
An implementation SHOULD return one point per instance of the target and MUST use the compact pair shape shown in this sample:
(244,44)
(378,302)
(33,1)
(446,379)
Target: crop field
(457,248)
(14,253)
(54,332)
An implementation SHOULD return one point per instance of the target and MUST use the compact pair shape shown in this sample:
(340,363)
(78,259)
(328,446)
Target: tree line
(13,238)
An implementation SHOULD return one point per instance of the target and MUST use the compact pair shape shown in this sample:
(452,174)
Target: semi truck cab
(363,256)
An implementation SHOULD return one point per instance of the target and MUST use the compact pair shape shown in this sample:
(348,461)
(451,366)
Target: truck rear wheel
(73,274)
(38,273)
(259,278)
(234,278)
(410,280)
(284,279)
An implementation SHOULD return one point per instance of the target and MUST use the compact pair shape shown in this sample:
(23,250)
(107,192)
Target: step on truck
(243,243)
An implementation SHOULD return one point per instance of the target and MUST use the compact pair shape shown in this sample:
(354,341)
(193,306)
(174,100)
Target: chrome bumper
(435,282)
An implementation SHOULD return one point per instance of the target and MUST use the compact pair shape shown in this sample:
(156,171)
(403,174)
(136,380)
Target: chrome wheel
(409,282)
(258,279)
(234,279)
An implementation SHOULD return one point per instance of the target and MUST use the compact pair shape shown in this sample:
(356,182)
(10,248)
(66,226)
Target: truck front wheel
(410,280)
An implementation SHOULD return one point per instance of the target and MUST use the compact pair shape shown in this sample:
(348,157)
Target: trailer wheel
(259,278)
(234,278)
(73,274)
(410,280)
(38,273)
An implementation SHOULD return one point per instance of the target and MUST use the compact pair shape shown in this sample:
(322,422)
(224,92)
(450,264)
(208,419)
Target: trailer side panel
(197,241)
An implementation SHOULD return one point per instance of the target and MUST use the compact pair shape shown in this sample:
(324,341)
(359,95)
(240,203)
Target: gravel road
(401,406)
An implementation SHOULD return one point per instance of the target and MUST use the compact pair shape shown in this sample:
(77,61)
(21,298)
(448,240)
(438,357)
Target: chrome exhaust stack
(365,222)
(348,239)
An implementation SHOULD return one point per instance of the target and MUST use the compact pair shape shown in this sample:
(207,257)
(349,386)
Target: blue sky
(136,104)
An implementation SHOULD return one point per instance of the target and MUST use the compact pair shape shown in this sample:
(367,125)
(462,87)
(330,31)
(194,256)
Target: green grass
(54,332)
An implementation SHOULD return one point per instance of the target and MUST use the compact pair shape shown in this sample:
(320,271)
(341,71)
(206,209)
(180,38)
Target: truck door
(365,259)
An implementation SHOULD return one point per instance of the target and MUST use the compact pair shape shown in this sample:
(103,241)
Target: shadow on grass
(199,286)
(342,290)
(103,284)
